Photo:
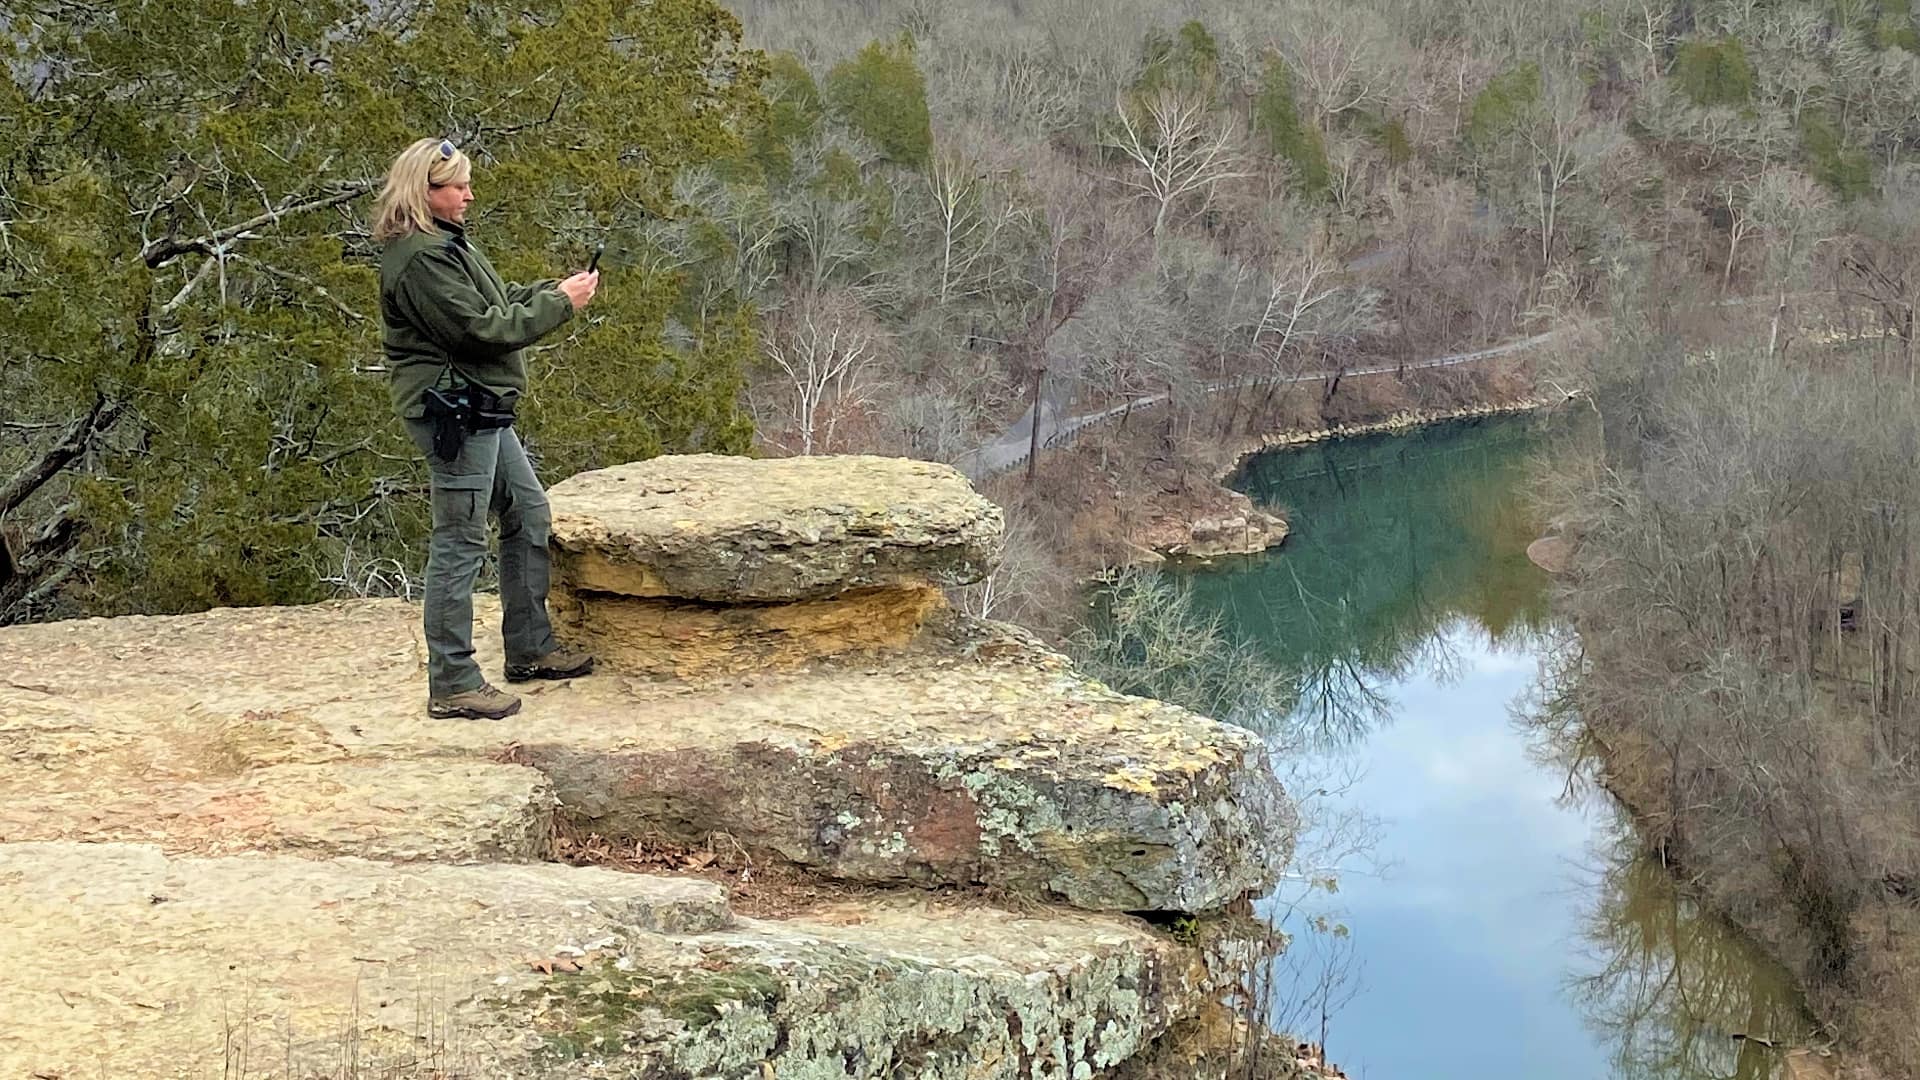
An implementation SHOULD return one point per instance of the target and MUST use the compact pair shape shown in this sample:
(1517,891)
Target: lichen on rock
(246,823)
(737,530)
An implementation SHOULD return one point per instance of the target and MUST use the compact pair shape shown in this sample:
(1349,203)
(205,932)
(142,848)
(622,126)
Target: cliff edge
(233,843)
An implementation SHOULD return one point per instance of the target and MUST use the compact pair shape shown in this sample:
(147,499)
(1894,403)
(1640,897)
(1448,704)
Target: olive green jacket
(442,302)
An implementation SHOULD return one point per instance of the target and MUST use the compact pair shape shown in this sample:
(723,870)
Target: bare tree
(1123,343)
(1027,584)
(1082,241)
(1299,284)
(1734,196)
(1178,146)
(1796,216)
(1350,172)
(1566,142)
(1644,26)
(931,424)
(1884,261)
(742,215)
(1308,317)
(825,348)
(1340,53)
(968,209)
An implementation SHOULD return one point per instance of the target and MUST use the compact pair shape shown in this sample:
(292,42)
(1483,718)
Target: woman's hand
(580,288)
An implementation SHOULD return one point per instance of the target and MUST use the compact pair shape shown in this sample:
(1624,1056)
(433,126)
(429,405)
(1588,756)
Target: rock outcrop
(738,530)
(127,962)
(1204,522)
(1246,533)
(242,825)
(692,565)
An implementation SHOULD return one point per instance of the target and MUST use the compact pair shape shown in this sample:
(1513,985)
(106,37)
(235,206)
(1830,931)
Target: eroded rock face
(663,636)
(739,530)
(125,962)
(975,757)
(189,807)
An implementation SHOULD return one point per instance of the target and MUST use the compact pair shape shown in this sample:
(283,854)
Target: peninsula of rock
(232,843)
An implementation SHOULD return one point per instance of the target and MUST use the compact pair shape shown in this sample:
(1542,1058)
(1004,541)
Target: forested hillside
(1720,199)
(922,218)
(1108,200)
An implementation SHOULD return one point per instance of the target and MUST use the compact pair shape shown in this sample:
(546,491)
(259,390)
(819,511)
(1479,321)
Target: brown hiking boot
(558,664)
(485,703)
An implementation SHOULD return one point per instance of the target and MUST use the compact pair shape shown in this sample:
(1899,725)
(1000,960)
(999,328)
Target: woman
(451,329)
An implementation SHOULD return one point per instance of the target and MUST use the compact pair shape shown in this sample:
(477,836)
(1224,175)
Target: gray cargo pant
(490,474)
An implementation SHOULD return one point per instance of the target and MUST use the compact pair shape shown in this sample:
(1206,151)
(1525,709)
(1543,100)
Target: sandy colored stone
(1551,553)
(124,962)
(675,637)
(733,529)
(451,811)
(1246,533)
(975,757)
(234,843)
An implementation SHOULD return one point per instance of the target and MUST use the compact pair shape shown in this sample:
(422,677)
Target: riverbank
(1150,487)
(1404,621)
(1862,1029)
(1198,528)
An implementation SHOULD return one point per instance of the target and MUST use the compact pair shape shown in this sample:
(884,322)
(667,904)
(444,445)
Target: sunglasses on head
(447,150)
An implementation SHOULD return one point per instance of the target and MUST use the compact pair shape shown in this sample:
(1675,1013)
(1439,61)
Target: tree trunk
(1033,436)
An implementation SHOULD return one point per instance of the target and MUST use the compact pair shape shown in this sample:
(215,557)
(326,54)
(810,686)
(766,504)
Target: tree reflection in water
(1395,538)
(1671,983)
(1398,543)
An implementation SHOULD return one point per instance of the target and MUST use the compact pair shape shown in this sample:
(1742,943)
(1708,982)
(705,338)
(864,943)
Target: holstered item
(459,411)
(487,410)
(447,412)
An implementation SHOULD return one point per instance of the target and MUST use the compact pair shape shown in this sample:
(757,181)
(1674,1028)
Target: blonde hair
(402,206)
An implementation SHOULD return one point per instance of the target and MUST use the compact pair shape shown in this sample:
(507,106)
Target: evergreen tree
(881,94)
(1291,137)
(189,326)
(1187,59)
(1715,72)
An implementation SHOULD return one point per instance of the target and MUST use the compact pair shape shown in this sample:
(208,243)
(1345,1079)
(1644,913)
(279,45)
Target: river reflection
(1670,985)
(1394,538)
(1519,933)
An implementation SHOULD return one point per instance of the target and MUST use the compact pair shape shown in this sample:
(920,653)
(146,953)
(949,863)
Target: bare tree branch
(158,253)
(1180,148)
(78,437)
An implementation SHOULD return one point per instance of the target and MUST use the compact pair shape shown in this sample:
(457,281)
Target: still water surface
(1514,931)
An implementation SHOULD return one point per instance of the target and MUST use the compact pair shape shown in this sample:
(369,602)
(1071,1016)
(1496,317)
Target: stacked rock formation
(688,565)
(233,843)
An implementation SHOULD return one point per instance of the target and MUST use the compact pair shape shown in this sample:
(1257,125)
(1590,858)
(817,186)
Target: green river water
(1512,930)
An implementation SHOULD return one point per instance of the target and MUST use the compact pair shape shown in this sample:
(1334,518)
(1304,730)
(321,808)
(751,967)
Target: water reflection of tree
(1673,983)
(1396,540)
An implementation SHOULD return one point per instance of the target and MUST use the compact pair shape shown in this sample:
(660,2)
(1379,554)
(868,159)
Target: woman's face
(449,201)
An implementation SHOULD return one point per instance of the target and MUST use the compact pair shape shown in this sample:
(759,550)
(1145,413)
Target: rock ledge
(233,842)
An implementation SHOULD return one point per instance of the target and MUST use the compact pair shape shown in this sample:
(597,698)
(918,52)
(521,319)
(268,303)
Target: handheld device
(594,263)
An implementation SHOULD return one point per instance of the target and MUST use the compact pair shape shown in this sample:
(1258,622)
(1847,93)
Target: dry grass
(433,1049)
(759,888)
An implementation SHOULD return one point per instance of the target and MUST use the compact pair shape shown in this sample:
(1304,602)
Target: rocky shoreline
(1204,531)
(1397,423)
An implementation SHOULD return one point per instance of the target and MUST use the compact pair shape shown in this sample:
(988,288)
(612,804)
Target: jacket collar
(455,232)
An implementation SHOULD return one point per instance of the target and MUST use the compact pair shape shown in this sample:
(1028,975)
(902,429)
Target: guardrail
(1004,454)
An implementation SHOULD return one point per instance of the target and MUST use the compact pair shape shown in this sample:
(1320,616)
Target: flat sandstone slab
(403,810)
(124,962)
(975,757)
(740,530)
